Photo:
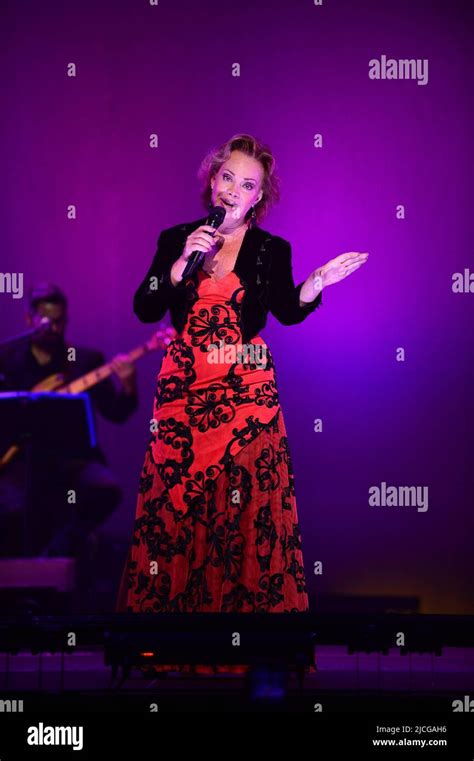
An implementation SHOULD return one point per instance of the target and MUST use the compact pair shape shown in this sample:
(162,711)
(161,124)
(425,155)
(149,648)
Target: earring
(253,217)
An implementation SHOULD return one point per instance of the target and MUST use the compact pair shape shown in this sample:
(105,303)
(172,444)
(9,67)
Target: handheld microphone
(43,327)
(215,219)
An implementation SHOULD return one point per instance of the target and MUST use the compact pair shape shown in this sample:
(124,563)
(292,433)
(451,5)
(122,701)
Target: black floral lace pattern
(216,525)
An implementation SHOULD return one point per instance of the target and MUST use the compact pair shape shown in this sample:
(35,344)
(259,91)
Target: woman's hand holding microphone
(202,239)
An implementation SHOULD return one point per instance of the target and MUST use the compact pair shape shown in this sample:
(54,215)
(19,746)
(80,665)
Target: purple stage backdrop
(108,109)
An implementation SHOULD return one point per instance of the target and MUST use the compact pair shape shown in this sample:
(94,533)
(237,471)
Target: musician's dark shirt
(20,371)
(35,485)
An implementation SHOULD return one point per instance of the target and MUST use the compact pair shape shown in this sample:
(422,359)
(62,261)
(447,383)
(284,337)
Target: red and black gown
(216,525)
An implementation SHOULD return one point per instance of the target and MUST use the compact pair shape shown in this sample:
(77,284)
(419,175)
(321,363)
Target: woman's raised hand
(339,268)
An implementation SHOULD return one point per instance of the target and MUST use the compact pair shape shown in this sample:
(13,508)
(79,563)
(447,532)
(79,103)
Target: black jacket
(263,265)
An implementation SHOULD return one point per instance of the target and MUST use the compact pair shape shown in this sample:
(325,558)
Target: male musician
(97,492)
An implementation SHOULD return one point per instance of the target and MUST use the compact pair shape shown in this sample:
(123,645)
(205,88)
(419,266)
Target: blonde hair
(251,147)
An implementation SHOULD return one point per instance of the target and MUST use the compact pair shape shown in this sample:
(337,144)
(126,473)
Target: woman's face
(239,182)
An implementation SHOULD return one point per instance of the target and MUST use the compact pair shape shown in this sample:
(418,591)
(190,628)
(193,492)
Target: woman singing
(216,525)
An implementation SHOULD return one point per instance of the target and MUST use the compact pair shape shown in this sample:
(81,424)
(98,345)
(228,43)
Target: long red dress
(216,506)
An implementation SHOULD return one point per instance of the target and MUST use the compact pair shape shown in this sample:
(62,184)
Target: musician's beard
(51,342)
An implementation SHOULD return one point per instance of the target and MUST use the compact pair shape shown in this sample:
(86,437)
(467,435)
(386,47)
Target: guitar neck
(100,374)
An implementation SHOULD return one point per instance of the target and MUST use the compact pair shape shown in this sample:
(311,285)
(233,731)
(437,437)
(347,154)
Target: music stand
(44,422)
